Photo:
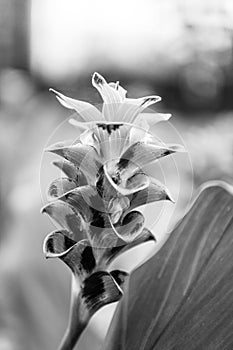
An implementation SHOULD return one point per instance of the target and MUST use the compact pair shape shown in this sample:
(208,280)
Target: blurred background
(181,50)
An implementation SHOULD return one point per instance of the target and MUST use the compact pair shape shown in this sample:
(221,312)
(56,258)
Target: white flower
(117,108)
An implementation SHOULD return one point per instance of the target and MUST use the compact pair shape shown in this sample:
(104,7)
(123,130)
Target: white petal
(89,138)
(111,96)
(119,88)
(86,110)
(113,139)
(138,134)
(131,107)
(109,93)
(83,125)
(146,120)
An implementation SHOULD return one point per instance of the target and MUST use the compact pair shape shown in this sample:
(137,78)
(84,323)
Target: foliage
(182,297)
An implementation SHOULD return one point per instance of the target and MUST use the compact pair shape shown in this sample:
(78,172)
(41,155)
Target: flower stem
(77,321)
(71,337)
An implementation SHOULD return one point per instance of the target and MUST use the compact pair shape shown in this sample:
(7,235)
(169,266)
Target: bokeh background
(181,50)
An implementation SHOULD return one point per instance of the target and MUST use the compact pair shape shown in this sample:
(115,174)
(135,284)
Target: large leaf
(182,298)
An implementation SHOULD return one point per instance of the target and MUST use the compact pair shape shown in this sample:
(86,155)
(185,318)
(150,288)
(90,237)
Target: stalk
(76,324)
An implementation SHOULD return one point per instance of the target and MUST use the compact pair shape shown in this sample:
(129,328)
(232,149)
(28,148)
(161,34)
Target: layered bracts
(96,201)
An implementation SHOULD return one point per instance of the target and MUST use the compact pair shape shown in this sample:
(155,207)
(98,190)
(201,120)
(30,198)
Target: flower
(94,203)
(117,108)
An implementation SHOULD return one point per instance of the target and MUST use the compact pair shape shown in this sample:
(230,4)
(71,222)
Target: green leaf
(182,297)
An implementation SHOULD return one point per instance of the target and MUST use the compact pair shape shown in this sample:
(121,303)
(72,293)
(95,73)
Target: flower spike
(96,199)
